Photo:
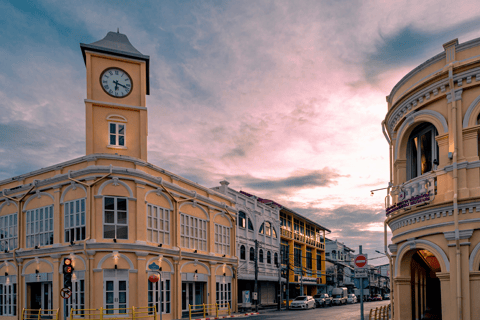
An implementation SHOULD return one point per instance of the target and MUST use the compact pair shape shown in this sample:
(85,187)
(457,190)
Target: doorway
(192,294)
(39,295)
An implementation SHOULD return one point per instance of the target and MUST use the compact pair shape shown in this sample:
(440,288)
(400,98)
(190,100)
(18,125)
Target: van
(339,296)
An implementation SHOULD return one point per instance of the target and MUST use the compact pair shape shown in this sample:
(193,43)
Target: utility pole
(280,281)
(256,275)
(288,279)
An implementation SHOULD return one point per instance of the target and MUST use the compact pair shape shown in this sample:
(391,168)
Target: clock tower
(117,84)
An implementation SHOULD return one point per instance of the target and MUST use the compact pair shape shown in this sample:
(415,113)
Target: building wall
(444,91)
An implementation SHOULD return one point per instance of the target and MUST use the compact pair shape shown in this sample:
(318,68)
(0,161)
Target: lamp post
(391,270)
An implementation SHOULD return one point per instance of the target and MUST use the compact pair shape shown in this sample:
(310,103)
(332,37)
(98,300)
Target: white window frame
(8,295)
(77,299)
(163,296)
(115,217)
(36,227)
(117,134)
(8,232)
(116,276)
(193,232)
(75,216)
(222,239)
(223,291)
(161,219)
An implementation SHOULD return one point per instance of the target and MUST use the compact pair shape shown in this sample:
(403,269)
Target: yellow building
(113,213)
(432,126)
(302,248)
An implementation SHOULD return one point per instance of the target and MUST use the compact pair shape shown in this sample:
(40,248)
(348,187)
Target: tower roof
(117,43)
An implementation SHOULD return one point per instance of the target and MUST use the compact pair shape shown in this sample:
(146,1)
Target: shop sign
(420,199)
(309,279)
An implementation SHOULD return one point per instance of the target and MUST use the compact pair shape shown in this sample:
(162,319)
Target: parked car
(303,302)
(323,300)
(339,296)
(377,297)
(351,298)
(386,296)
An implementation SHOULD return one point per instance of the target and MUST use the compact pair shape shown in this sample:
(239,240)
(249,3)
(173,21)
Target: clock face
(116,82)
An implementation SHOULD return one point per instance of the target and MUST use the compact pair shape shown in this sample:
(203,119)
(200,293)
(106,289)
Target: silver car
(303,302)
(351,298)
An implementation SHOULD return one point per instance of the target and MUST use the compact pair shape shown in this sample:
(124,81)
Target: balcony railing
(417,191)
(301,237)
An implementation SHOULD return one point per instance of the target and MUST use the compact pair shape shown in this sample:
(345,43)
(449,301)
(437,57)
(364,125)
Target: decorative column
(211,297)
(449,304)
(403,298)
(56,283)
(177,295)
(142,281)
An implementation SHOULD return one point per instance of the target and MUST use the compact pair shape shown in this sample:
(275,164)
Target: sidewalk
(235,315)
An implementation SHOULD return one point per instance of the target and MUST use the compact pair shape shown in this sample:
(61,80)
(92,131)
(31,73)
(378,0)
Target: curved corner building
(432,126)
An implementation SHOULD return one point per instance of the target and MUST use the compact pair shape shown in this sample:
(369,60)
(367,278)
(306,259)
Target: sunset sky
(284,99)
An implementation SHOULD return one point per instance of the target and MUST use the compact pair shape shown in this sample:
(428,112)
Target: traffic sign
(361,273)
(154,266)
(65,293)
(360,261)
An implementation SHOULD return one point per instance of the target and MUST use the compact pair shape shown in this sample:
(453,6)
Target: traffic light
(67,272)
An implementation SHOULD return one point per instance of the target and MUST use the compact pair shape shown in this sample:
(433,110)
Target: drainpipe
(455,193)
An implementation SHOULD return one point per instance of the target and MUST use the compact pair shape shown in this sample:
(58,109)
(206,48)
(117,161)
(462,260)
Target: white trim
(116,118)
(411,119)
(72,186)
(159,193)
(102,103)
(226,266)
(118,181)
(195,205)
(120,255)
(473,256)
(468,114)
(6,263)
(414,244)
(38,195)
(35,261)
(8,202)
(223,214)
(195,263)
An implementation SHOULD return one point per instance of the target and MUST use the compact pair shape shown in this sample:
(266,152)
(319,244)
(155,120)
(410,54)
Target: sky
(283,99)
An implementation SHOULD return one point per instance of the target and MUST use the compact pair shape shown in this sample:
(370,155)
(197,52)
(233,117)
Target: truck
(339,296)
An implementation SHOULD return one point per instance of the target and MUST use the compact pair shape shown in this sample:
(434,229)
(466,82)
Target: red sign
(154,278)
(360,261)
(65,293)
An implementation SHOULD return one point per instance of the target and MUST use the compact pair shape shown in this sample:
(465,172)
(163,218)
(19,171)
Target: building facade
(256,223)
(302,250)
(433,208)
(114,214)
(339,266)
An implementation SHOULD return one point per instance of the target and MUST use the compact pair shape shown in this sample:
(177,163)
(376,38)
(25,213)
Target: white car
(351,298)
(303,302)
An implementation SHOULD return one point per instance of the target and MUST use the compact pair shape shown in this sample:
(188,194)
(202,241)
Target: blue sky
(284,99)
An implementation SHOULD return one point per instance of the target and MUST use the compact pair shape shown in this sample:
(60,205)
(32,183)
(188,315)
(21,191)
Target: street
(346,312)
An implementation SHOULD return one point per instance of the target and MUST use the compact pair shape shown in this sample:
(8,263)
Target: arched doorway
(418,289)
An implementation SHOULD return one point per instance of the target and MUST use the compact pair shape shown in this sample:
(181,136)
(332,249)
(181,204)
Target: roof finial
(118,30)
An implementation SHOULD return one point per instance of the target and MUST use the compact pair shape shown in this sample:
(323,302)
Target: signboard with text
(416,200)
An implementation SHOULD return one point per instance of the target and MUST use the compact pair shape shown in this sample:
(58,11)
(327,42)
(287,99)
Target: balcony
(417,191)
(300,237)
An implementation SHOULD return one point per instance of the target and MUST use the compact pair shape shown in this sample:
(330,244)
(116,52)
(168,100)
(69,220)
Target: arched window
(268,229)
(262,229)
(422,150)
(241,219)
(252,254)
(260,258)
(275,259)
(250,225)
(274,233)
(242,252)
(269,257)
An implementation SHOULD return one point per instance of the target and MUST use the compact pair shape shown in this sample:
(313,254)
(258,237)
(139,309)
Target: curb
(232,316)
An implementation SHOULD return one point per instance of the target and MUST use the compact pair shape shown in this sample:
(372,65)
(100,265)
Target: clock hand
(116,82)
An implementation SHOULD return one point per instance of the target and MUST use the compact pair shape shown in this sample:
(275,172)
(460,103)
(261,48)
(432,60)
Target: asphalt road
(345,312)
